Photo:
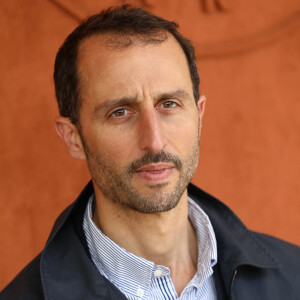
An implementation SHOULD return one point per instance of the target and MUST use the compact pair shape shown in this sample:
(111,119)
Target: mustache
(149,158)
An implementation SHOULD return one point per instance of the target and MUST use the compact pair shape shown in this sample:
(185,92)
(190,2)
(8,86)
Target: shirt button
(157,273)
(140,292)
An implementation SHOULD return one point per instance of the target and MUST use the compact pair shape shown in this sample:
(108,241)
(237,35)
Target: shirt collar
(131,272)
(206,240)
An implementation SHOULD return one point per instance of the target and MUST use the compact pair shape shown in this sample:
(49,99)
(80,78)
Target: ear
(68,132)
(201,107)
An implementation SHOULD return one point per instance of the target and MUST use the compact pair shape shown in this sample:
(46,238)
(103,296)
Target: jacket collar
(237,246)
(66,266)
(67,272)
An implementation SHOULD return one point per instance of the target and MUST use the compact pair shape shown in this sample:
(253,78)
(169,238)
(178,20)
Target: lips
(155,173)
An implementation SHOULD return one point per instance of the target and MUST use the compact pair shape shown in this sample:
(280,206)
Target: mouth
(155,173)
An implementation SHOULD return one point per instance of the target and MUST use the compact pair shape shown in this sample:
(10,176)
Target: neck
(166,238)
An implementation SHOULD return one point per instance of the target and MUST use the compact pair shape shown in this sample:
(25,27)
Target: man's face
(139,122)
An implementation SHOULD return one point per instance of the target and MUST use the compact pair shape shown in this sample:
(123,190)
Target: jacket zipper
(232,283)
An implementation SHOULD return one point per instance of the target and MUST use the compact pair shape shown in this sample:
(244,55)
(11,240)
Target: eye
(119,113)
(168,104)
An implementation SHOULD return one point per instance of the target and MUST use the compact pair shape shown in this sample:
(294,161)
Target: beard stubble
(116,183)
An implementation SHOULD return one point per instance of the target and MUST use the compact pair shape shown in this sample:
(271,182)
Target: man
(127,88)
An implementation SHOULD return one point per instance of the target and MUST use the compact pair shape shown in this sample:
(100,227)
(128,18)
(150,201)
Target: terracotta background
(248,58)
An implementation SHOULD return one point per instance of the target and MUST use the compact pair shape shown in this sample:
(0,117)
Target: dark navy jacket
(250,265)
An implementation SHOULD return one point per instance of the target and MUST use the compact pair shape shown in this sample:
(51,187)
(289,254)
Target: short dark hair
(122,20)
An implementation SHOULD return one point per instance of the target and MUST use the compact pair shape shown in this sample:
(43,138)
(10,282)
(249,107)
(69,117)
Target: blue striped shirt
(138,278)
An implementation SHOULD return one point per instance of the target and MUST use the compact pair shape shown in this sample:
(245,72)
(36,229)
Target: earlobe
(68,132)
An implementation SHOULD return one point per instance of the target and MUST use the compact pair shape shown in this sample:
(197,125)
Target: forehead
(107,47)
(110,63)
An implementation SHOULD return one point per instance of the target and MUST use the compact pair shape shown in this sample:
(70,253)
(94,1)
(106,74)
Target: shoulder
(26,285)
(281,281)
(285,252)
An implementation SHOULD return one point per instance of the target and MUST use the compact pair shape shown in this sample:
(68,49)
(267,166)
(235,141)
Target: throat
(181,279)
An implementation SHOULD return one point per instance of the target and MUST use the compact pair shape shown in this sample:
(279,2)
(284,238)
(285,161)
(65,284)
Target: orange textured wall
(248,58)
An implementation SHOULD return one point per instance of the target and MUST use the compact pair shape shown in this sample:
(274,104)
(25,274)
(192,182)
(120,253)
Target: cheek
(117,146)
(183,134)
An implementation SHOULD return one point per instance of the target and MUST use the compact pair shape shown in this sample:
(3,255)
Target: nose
(151,136)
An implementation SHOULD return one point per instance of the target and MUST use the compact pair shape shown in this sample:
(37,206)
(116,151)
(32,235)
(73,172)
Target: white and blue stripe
(138,278)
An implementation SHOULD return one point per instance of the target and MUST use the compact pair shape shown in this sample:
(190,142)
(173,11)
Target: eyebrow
(181,94)
(108,104)
(111,103)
